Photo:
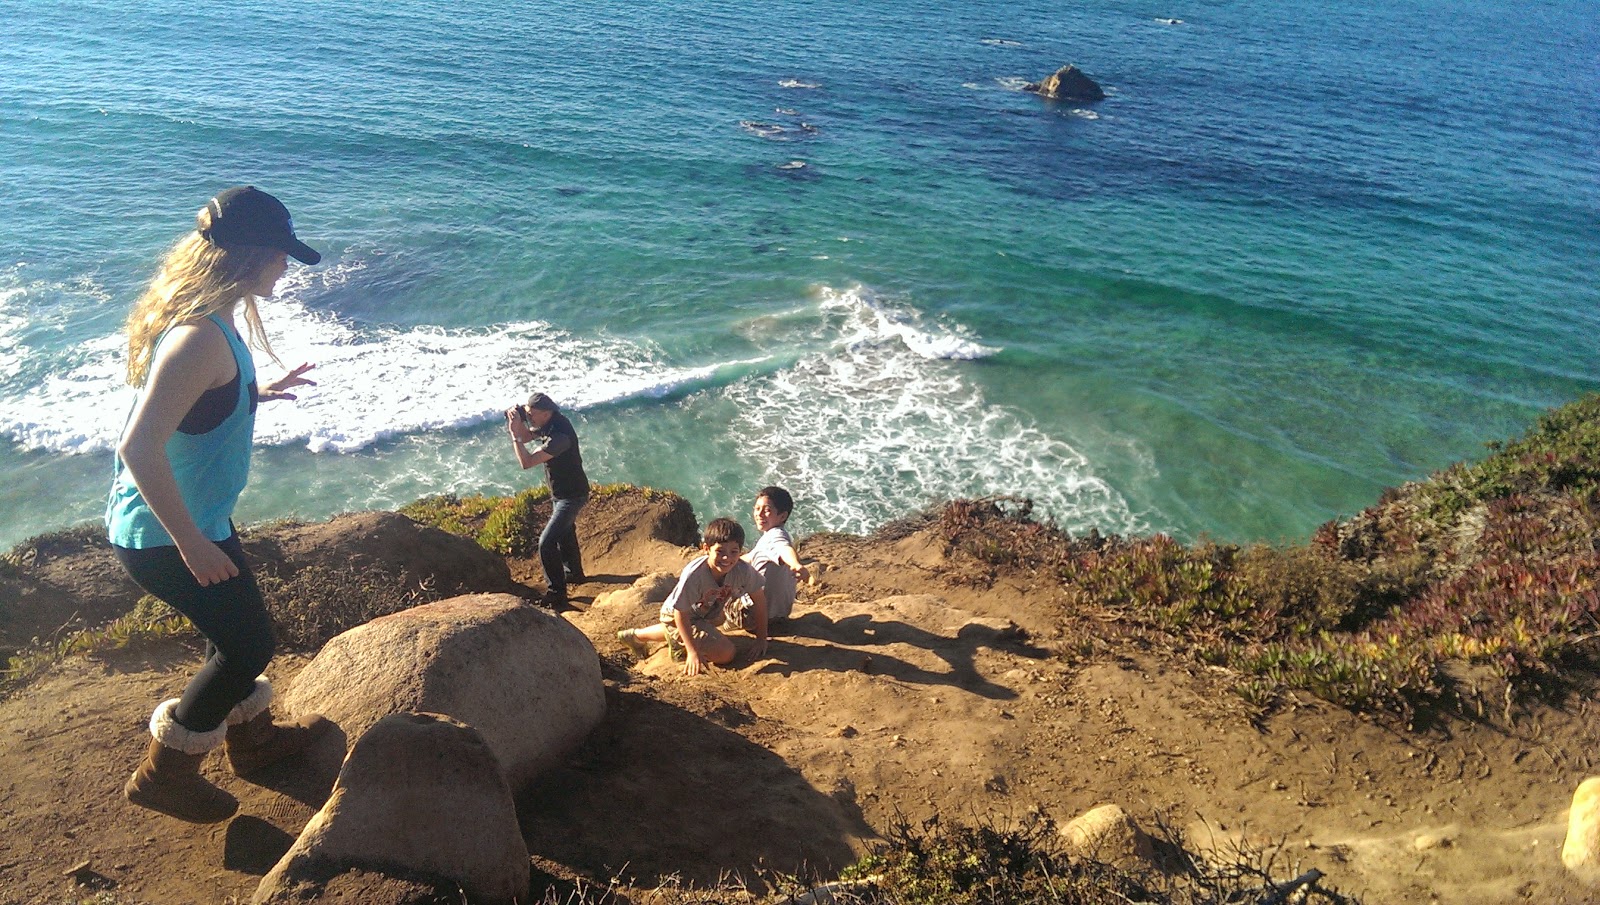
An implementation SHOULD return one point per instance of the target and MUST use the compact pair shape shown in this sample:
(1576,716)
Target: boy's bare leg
(715,647)
(655,633)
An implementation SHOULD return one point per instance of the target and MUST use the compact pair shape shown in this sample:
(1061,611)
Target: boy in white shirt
(773,554)
(711,592)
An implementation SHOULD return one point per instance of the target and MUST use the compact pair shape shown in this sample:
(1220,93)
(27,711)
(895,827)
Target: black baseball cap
(246,216)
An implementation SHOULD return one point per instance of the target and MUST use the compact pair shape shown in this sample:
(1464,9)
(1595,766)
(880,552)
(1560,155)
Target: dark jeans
(232,616)
(558,543)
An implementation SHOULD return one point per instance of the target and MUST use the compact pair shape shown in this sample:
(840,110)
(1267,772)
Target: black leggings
(232,616)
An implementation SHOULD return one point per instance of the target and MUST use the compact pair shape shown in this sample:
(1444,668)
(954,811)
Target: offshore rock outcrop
(1068,84)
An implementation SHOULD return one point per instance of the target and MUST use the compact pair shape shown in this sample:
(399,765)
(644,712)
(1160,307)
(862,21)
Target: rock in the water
(1068,84)
(1108,834)
(525,678)
(421,795)
(1581,852)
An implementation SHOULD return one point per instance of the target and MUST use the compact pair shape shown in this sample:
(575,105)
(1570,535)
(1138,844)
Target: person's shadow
(863,631)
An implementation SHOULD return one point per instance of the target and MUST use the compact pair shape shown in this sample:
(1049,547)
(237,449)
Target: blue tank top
(211,467)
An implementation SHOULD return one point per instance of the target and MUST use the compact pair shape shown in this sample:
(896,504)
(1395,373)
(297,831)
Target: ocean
(1302,252)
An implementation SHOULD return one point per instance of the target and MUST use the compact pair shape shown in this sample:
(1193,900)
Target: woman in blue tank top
(181,463)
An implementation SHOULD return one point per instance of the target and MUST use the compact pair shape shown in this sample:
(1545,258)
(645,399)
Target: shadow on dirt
(857,644)
(661,791)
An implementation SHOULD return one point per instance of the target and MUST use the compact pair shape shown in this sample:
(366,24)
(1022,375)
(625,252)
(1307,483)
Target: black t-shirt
(564,471)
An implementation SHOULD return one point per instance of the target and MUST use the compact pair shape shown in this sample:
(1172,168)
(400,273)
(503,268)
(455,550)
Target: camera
(525,415)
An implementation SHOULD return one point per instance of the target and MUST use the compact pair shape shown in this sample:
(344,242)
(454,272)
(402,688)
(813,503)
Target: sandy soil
(893,692)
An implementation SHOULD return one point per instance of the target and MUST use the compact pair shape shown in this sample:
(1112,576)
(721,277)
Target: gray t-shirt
(766,556)
(702,597)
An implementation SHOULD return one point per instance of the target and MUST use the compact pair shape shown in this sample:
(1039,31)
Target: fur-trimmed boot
(256,742)
(169,780)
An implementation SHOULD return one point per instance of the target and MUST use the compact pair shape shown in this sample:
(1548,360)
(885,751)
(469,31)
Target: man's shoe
(553,599)
(577,577)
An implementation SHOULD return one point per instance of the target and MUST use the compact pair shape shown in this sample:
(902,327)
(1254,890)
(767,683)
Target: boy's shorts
(739,615)
(702,630)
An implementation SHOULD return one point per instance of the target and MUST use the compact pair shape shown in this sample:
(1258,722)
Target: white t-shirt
(702,597)
(766,556)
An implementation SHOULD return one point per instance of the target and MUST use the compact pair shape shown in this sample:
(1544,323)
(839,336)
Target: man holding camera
(569,488)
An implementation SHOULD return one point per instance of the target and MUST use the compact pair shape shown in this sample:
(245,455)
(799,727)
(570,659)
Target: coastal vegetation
(508,525)
(1486,569)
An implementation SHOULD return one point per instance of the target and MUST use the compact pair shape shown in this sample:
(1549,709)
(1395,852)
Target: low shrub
(43,547)
(955,863)
(461,516)
(512,528)
(507,525)
(313,604)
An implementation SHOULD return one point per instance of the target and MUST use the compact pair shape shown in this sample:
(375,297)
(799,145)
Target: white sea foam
(1013,83)
(381,383)
(1000,42)
(12,323)
(864,317)
(372,383)
(796,83)
(55,399)
(765,130)
(885,422)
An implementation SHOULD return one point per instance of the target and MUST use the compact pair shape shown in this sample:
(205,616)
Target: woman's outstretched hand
(279,389)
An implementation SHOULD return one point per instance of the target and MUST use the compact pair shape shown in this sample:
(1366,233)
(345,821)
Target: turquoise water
(1301,253)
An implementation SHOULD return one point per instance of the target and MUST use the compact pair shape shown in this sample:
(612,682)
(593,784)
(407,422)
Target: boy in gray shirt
(773,555)
(711,591)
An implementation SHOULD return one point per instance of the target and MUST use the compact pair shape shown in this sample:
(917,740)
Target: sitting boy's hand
(760,649)
(691,664)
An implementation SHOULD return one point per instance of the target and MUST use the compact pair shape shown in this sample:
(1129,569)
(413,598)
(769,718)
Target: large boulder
(384,818)
(1068,84)
(525,678)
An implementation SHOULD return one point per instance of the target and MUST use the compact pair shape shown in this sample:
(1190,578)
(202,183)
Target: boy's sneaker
(638,645)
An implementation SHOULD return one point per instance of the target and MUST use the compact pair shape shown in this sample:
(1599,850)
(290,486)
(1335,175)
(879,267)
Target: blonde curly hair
(197,279)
